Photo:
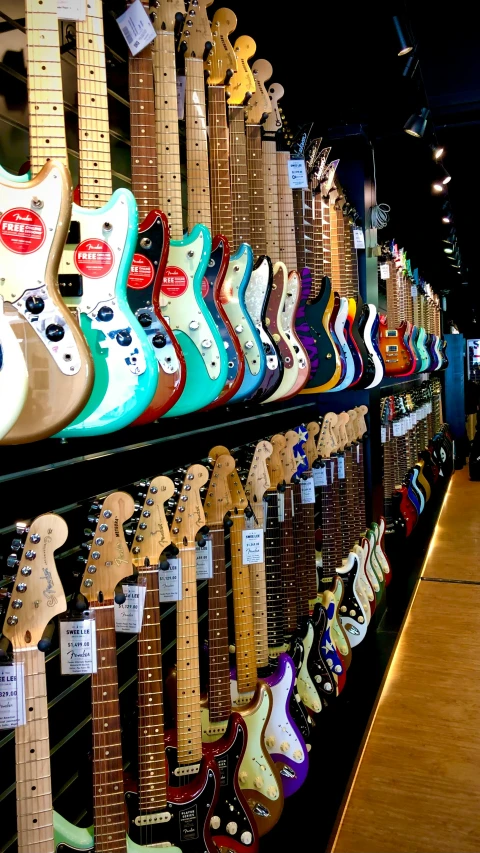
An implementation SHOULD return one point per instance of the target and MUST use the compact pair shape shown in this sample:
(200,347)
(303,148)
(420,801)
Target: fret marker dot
(115,787)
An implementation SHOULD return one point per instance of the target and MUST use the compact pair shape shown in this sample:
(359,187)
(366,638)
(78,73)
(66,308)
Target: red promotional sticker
(205,287)
(175,282)
(22,231)
(226,293)
(141,272)
(93,258)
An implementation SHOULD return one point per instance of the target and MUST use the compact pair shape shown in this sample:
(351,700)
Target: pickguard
(352,611)
(256,296)
(276,304)
(256,773)
(288,318)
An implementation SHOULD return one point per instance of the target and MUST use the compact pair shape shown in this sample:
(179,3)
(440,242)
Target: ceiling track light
(438,188)
(448,251)
(417,123)
(438,151)
(405,45)
(446,220)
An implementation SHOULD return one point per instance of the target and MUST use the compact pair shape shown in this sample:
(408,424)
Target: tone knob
(215,822)
(206,343)
(298,755)
(124,338)
(54,332)
(246,838)
(276,337)
(239,328)
(34,304)
(232,827)
(361,620)
(318,679)
(270,741)
(159,341)
(352,613)
(105,313)
(243,776)
(258,782)
(338,669)
(330,662)
(272,791)
(194,325)
(343,609)
(145,319)
(328,687)
(284,746)
(248,344)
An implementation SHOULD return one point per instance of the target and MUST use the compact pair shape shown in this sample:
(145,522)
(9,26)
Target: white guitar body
(367,337)
(13,375)
(293,290)
(305,686)
(369,570)
(356,628)
(290,376)
(234,285)
(378,532)
(362,553)
(339,327)
(255,296)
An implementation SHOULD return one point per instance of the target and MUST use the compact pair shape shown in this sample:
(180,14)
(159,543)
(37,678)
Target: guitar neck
(317,242)
(198,179)
(219,701)
(361,487)
(221,198)
(326,238)
(288,561)
(166,130)
(258,586)
(286,221)
(93,124)
(299,545)
(392,298)
(353,262)
(152,780)
(32,759)
(270,183)
(299,223)
(142,132)
(239,176)
(273,569)
(331,541)
(189,726)
(243,611)
(256,190)
(45,92)
(344,509)
(108,795)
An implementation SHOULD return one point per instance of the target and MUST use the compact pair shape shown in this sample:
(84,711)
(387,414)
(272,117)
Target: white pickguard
(254,773)
(288,319)
(290,376)
(340,321)
(363,581)
(254,300)
(379,371)
(356,630)
(379,550)
(373,557)
(233,279)
(13,376)
(305,685)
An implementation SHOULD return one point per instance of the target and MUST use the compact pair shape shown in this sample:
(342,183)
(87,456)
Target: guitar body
(143,292)
(33,229)
(318,315)
(13,375)
(336,331)
(371,574)
(379,533)
(396,355)
(354,607)
(368,328)
(257,296)
(181,301)
(364,585)
(414,491)
(303,330)
(422,479)
(69,838)
(214,297)
(93,281)
(274,319)
(405,508)
(442,344)
(339,634)
(422,350)
(431,345)
(291,306)
(342,330)
(233,297)
(412,342)
(301,645)
(195,835)
(319,671)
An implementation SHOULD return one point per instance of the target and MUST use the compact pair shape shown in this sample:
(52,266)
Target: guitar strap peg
(46,641)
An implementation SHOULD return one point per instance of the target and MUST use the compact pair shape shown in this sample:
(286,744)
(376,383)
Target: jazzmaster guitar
(98,256)
(13,374)
(33,228)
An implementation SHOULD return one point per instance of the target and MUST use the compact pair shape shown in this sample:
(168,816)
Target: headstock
(275,462)
(152,534)
(218,499)
(109,560)
(166,14)
(38,595)
(351,427)
(258,479)
(221,62)
(312,153)
(326,440)
(196,37)
(242,84)
(289,463)
(318,168)
(189,517)
(259,106)
(339,430)
(313,430)
(362,426)
(239,499)
(328,177)
(274,120)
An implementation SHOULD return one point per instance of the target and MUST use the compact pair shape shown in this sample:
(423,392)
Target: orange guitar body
(396,354)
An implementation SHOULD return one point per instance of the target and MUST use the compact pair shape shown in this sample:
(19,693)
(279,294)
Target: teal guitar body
(422,350)
(93,282)
(69,837)
(185,309)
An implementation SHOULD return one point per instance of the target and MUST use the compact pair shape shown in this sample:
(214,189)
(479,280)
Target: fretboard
(299,222)
(351,262)
(189,726)
(256,189)
(45,93)
(239,176)
(93,124)
(299,541)
(393,301)
(32,757)
(286,222)
(338,251)
(166,124)
(245,653)
(152,789)
(331,541)
(288,560)
(108,796)
(361,487)
(273,571)
(142,132)
(270,184)
(317,243)
(344,495)
(198,180)
(326,245)
(220,194)
(258,586)
(219,701)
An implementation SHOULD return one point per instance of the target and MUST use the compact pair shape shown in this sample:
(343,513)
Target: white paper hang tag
(297,175)
(413,291)
(320,476)
(204,560)
(181,86)
(136,27)
(78,646)
(252,547)
(397,429)
(71,10)
(341,467)
(358,238)
(383,434)
(129,615)
(307,488)
(170,581)
(384,272)
(281,506)
(12,695)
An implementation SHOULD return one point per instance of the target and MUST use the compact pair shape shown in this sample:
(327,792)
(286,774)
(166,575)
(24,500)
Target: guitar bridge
(152,819)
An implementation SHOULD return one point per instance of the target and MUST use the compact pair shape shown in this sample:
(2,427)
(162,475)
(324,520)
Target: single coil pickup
(151,819)
(188,770)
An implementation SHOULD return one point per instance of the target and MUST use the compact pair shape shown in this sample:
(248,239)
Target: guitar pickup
(188,770)
(70,284)
(152,819)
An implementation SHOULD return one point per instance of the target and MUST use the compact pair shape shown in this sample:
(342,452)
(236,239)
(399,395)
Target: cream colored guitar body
(290,376)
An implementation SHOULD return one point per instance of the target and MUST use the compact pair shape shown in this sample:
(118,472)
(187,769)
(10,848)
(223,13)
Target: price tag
(307,488)
(341,467)
(71,10)
(204,560)
(136,27)
(320,476)
(297,174)
(252,547)
(170,581)
(383,434)
(78,646)
(358,238)
(12,695)
(384,271)
(397,428)
(129,615)
(181,85)
(281,506)
(413,290)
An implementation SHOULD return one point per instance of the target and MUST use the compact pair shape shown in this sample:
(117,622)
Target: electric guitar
(13,374)
(33,228)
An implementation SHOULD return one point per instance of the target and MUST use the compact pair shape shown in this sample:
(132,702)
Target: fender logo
(93,247)
(19,218)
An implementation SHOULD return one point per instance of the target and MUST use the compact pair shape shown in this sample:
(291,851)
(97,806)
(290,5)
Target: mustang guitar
(13,374)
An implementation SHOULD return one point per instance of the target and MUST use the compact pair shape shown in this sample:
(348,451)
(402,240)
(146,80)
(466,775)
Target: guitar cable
(379,213)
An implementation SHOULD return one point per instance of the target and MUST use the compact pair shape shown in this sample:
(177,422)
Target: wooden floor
(417,784)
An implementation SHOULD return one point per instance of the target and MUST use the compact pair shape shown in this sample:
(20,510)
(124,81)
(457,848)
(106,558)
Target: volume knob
(54,332)
(272,791)
(246,838)
(124,338)
(284,746)
(215,822)
(159,341)
(34,304)
(231,827)
(105,313)
(258,782)
(243,776)
(270,741)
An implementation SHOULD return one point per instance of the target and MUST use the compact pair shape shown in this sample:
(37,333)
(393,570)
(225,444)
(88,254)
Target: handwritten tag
(181,86)
(358,238)
(204,560)
(320,476)
(341,467)
(297,174)
(136,27)
(12,695)
(71,10)
(252,547)
(307,488)
(78,646)
(384,271)
(170,581)
(129,615)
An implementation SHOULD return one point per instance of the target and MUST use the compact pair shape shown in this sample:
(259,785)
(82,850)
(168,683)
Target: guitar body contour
(257,297)
(143,291)
(69,838)
(318,316)
(33,228)
(304,332)
(396,355)
(368,328)
(274,320)
(13,375)
(421,344)
(342,331)
(301,645)
(195,834)
(291,307)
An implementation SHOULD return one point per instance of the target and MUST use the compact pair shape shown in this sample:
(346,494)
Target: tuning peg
(93,519)
(86,546)
(171,550)
(248,512)
(82,560)
(205,529)
(80,602)
(46,641)
(13,562)
(95,507)
(88,532)
(17,544)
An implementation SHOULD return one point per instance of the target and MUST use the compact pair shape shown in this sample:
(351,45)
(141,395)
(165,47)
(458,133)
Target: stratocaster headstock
(274,120)
(239,498)
(166,14)
(221,62)
(258,478)
(196,37)
(218,500)
(242,84)
(109,560)
(189,516)
(339,430)
(326,440)
(259,106)
(152,534)
(351,426)
(38,595)
(275,462)
(313,429)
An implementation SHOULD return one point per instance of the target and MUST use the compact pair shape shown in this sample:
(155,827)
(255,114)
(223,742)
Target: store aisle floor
(416,788)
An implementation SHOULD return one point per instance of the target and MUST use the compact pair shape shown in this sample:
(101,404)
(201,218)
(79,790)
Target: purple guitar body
(303,329)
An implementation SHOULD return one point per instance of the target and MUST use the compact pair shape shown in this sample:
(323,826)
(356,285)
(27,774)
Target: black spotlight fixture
(405,45)
(417,123)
